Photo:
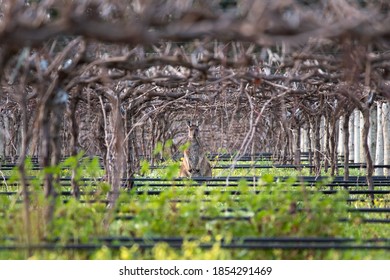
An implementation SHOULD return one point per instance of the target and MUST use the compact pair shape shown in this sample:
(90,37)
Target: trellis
(275,76)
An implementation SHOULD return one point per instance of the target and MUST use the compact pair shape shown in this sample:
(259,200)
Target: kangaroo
(195,163)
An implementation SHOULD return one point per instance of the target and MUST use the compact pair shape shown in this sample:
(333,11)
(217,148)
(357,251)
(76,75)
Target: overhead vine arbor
(114,78)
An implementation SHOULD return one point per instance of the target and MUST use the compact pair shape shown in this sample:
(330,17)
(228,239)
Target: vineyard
(194,129)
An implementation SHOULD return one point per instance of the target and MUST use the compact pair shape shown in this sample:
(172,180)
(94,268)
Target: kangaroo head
(193,130)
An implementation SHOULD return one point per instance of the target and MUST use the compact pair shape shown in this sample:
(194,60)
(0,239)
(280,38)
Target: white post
(386,136)
(322,135)
(357,136)
(379,141)
(372,135)
(304,143)
(351,142)
(362,156)
(340,144)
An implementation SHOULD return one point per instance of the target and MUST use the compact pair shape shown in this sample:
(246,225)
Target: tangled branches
(116,77)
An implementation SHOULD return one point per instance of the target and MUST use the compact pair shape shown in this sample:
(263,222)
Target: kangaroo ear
(188,123)
(197,123)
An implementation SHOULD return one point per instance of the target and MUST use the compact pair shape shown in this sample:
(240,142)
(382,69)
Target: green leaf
(168,143)
(267,178)
(145,167)
(172,170)
(184,147)
(158,149)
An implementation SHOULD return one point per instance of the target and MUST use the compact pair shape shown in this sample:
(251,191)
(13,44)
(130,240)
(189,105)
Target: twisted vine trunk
(333,146)
(132,153)
(74,130)
(115,156)
(297,146)
(46,152)
(370,168)
(317,144)
(22,171)
(346,146)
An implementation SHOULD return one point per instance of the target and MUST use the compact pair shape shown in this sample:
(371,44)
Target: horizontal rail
(35,159)
(249,218)
(230,178)
(308,181)
(241,240)
(10,166)
(106,201)
(248,244)
(210,192)
(281,166)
